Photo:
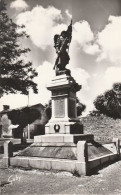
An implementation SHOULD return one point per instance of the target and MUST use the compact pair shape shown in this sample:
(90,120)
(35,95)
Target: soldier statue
(61,44)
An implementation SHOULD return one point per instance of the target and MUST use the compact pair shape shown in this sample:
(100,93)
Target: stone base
(72,166)
(63,138)
(64,127)
(56,152)
(78,158)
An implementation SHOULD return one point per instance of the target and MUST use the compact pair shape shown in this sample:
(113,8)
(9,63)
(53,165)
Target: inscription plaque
(59,105)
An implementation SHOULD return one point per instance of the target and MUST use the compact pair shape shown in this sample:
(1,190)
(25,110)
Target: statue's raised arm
(61,44)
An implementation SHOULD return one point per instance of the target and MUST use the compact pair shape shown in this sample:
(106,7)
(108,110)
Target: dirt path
(107,181)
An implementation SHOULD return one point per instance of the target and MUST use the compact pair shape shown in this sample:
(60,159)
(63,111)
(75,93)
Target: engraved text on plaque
(59,105)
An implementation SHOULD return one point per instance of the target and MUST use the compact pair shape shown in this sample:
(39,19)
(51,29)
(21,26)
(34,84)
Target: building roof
(20,108)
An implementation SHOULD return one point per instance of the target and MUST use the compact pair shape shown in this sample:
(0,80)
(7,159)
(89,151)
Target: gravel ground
(17,181)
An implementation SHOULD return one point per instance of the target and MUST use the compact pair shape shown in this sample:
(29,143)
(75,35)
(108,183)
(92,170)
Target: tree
(100,103)
(110,102)
(80,108)
(23,117)
(15,74)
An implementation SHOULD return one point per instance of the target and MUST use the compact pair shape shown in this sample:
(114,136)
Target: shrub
(109,103)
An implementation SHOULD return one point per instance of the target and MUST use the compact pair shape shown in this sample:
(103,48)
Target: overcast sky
(95,50)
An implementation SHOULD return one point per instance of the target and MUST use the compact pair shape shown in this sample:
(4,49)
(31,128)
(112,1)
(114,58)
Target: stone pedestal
(64,129)
(64,114)
(64,142)
(8,152)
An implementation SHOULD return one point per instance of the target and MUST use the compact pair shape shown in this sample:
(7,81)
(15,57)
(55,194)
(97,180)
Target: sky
(95,49)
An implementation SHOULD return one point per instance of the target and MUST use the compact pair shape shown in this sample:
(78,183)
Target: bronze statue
(61,44)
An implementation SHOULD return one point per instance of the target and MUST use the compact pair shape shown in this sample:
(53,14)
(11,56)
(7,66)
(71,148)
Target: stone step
(73,166)
(63,138)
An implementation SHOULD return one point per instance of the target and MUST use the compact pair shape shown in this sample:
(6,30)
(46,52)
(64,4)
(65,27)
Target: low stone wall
(113,153)
(99,162)
(86,161)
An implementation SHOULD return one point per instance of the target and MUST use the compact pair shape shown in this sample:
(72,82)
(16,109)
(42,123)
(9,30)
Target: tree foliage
(110,102)
(23,117)
(15,74)
(80,107)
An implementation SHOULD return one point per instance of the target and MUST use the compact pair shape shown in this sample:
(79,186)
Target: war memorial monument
(64,147)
